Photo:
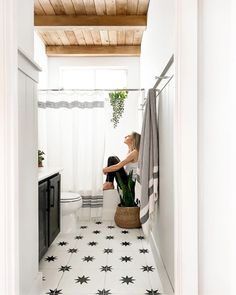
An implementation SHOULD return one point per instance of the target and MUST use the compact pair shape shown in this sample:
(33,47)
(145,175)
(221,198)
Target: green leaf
(117,99)
(126,191)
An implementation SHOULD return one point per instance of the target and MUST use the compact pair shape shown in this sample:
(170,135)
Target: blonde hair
(136,138)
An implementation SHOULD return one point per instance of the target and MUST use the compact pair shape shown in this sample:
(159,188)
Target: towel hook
(162,77)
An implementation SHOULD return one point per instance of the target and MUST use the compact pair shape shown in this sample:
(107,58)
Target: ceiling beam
(75,50)
(92,21)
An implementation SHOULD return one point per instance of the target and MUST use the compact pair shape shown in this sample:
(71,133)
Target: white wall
(25,25)
(9,154)
(27,132)
(41,59)
(157,48)
(158,41)
(216,158)
(163,225)
(28,175)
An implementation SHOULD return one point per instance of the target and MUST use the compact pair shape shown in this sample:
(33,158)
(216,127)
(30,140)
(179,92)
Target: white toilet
(70,204)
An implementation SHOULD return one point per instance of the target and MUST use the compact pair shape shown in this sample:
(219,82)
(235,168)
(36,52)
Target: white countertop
(46,172)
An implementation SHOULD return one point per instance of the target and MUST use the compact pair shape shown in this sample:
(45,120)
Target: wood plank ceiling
(91,27)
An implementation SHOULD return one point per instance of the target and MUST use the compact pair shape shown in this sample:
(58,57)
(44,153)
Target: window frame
(95,70)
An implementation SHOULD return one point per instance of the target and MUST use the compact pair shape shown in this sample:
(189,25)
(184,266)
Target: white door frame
(9,260)
(185,148)
(231,171)
(186,223)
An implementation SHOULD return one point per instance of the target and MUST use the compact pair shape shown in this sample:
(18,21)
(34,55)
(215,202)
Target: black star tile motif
(43,279)
(152,292)
(143,251)
(83,226)
(126,258)
(124,231)
(109,237)
(103,292)
(106,268)
(50,258)
(88,258)
(127,280)
(72,250)
(78,237)
(82,280)
(108,250)
(96,232)
(54,292)
(147,268)
(62,243)
(92,243)
(140,237)
(110,226)
(125,243)
(98,222)
(65,268)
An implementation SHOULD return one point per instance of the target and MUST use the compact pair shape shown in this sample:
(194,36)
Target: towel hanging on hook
(159,92)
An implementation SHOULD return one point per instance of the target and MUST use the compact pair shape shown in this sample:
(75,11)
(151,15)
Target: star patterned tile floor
(103,259)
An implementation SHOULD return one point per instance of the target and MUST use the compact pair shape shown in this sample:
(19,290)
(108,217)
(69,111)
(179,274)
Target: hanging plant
(117,101)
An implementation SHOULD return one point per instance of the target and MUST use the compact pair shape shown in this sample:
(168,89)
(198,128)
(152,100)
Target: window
(73,78)
(88,78)
(111,79)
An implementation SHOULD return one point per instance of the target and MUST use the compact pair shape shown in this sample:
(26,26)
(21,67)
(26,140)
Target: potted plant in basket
(127,212)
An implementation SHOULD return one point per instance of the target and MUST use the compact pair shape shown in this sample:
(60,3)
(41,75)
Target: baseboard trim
(36,287)
(167,286)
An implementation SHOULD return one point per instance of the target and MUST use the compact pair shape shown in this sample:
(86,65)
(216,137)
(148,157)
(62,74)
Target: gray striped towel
(147,172)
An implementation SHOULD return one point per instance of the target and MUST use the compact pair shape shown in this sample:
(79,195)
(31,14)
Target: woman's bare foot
(108,185)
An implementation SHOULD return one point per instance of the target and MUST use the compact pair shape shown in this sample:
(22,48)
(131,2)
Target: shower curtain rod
(125,89)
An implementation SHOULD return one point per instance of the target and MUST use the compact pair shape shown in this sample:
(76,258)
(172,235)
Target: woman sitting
(130,163)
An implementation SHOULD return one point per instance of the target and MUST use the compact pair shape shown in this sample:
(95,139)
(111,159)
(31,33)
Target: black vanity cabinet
(43,218)
(54,208)
(49,211)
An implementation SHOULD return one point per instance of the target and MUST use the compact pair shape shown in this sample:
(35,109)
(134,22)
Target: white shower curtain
(72,135)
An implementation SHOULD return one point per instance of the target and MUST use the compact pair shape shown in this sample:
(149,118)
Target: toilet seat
(69,197)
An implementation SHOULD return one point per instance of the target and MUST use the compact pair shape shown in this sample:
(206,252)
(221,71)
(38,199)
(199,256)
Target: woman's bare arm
(130,157)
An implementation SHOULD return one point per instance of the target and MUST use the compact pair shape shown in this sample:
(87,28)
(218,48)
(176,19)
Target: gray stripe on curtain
(92,206)
(93,197)
(92,201)
(71,105)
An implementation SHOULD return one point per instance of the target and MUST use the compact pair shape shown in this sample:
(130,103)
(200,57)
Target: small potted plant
(127,212)
(40,158)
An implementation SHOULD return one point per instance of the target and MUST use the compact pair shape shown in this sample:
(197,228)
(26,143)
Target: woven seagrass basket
(127,217)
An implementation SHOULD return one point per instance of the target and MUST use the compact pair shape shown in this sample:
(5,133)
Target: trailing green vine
(117,101)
